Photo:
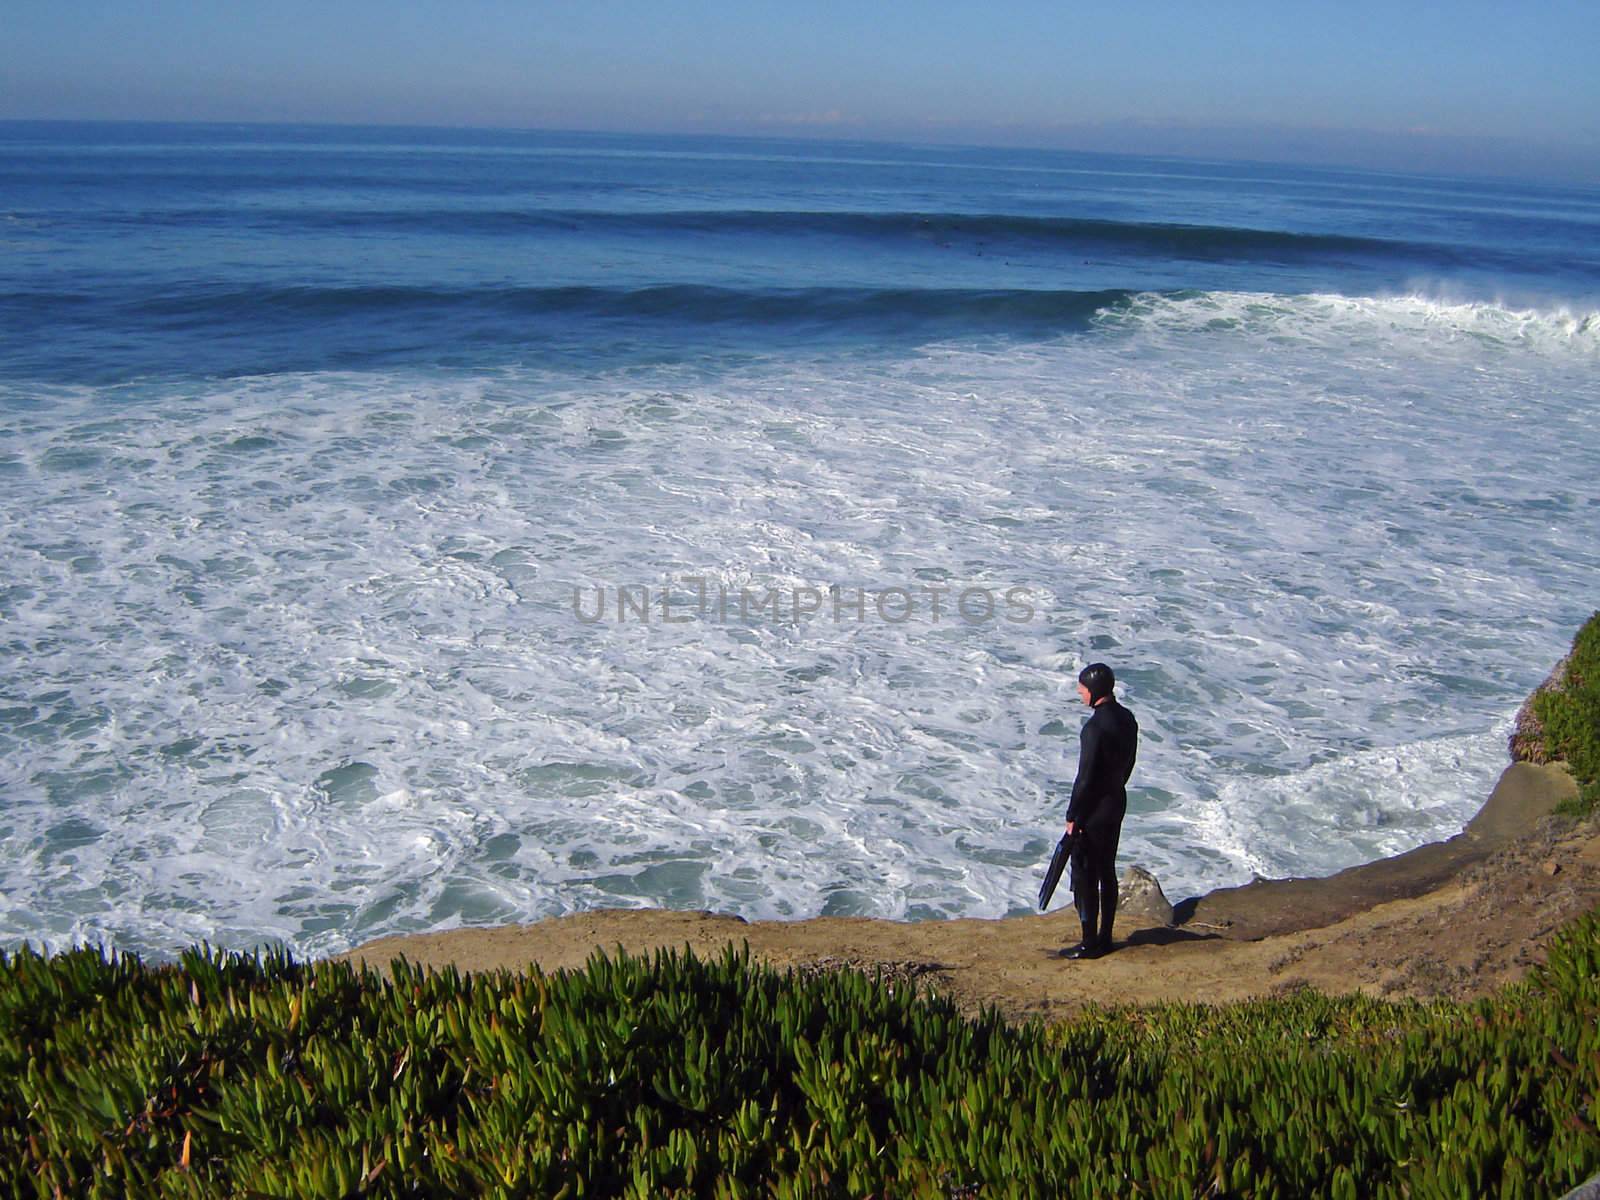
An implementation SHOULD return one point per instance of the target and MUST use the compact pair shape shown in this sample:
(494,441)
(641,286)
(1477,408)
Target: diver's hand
(1072,828)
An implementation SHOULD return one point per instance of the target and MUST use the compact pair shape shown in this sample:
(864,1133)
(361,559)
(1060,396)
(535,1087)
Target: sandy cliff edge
(1454,918)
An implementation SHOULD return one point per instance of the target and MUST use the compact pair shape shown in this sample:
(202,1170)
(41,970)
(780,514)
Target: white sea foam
(1370,803)
(1370,321)
(295,658)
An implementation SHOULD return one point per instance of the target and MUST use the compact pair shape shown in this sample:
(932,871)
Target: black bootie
(1089,947)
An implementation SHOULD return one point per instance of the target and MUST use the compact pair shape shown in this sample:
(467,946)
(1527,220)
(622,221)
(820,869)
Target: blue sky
(1469,86)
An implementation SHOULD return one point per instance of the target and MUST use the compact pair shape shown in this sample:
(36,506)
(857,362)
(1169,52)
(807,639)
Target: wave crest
(1322,316)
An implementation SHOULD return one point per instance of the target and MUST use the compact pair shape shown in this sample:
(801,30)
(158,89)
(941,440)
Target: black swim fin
(1052,873)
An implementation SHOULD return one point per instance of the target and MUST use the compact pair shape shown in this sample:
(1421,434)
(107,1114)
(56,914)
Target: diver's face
(1083,694)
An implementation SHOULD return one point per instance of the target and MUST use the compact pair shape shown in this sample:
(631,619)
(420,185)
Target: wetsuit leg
(1108,907)
(1086,883)
(1104,833)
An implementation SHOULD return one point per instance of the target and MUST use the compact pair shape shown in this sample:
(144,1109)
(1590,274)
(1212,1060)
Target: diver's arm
(1088,760)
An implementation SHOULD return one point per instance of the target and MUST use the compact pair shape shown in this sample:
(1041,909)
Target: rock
(1525,792)
(1550,867)
(1139,896)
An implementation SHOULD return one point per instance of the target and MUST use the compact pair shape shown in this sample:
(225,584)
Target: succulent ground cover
(231,1075)
(1561,721)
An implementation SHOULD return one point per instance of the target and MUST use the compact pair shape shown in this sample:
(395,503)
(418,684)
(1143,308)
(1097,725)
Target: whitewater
(310,654)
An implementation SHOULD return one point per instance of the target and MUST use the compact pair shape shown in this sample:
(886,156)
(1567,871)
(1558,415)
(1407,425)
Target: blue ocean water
(414,528)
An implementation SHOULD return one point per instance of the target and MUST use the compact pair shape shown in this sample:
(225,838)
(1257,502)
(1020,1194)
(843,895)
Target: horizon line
(1585,177)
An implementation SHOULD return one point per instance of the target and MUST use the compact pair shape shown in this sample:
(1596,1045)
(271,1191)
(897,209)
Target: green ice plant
(1568,713)
(227,1074)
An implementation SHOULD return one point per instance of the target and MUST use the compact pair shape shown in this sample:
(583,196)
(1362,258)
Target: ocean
(405,529)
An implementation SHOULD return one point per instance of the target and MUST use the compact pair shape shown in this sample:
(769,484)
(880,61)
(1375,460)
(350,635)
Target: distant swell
(120,333)
(1171,240)
(689,304)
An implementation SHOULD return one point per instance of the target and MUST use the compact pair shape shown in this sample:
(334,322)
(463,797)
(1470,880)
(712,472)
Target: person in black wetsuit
(1107,747)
